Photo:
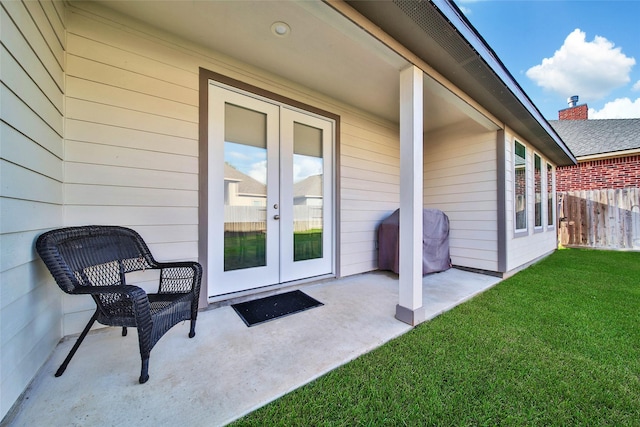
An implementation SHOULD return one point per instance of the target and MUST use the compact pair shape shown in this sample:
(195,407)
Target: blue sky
(557,48)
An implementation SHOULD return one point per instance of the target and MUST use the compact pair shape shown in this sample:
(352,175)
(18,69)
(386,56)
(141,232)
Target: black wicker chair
(93,260)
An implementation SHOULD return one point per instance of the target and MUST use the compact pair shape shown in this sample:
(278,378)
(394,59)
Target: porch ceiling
(324,51)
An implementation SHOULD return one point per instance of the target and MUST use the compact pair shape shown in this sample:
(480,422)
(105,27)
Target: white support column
(410,309)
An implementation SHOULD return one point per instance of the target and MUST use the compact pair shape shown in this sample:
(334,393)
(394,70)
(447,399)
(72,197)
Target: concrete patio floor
(228,369)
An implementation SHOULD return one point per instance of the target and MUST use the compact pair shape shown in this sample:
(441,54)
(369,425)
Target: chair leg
(124,331)
(192,332)
(84,333)
(144,373)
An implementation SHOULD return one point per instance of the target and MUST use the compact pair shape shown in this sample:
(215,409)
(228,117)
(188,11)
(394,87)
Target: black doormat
(269,308)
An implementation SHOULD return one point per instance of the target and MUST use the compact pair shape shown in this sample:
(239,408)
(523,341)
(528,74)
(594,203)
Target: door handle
(276,217)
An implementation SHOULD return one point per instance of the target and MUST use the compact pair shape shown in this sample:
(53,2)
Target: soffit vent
(425,16)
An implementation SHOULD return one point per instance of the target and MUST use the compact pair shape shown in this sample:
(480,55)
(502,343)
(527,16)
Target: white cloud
(258,171)
(588,69)
(305,166)
(621,108)
(636,86)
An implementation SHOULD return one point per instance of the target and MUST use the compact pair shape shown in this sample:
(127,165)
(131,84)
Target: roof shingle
(590,137)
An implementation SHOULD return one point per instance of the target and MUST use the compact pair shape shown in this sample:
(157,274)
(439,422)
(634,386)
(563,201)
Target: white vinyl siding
(460,179)
(31,172)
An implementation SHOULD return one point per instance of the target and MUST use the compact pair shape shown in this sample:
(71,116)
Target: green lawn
(557,344)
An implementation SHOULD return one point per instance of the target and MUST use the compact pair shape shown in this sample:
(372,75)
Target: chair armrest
(179,277)
(136,295)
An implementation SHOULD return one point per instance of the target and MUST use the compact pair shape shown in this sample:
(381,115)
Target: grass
(556,344)
(248,249)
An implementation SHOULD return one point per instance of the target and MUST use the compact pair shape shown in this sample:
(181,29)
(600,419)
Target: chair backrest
(92,255)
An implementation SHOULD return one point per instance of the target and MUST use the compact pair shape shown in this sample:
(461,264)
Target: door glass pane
(245,188)
(307,192)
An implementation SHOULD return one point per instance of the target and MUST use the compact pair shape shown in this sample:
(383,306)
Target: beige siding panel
(360,236)
(28,59)
(121,137)
(78,194)
(130,216)
(115,116)
(83,173)
(367,225)
(49,35)
(126,157)
(467,226)
(23,279)
(361,184)
(460,179)
(369,165)
(168,234)
(18,149)
(473,190)
(74,321)
(31,174)
(33,34)
(170,59)
(369,195)
(368,205)
(130,100)
(469,230)
(23,184)
(30,350)
(459,209)
(13,320)
(467,243)
(95,50)
(20,117)
(359,267)
(18,250)
(55,20)
(29,92)
(24,215)
(175,251)
(124,79)
(361,153)
(370,179)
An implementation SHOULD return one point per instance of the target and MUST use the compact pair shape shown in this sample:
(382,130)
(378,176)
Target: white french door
(270,192)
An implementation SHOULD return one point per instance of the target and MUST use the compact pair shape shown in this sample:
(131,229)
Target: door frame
(203,176)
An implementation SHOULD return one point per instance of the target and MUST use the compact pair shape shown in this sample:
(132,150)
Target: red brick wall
(579,112)
(621,172)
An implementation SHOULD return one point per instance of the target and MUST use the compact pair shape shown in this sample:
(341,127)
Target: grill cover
(435,242)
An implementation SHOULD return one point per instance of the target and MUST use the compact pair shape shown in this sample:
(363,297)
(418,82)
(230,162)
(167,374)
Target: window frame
(520,231)
(551,196)
(538,193)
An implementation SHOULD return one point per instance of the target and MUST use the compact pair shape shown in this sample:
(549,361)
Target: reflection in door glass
(307,192)
(245,188)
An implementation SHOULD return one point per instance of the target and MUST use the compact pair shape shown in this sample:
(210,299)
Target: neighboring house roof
(247,185)
(599,137)
(308,187)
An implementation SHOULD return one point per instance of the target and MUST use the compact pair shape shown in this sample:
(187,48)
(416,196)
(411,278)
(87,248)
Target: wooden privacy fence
(606,219)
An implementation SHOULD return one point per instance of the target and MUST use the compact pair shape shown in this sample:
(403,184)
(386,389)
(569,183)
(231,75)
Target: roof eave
(463,57)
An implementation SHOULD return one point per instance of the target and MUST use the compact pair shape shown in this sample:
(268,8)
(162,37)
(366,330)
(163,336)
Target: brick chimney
(575,111)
